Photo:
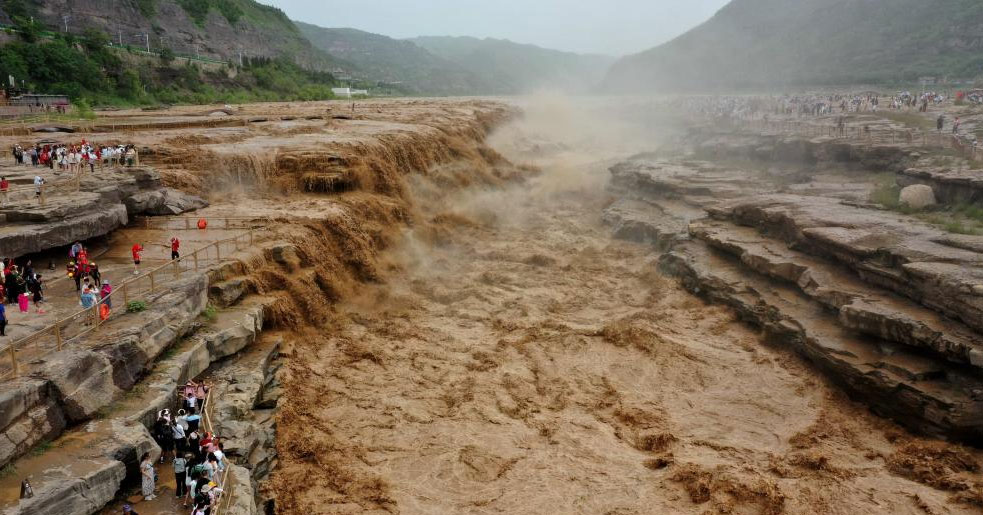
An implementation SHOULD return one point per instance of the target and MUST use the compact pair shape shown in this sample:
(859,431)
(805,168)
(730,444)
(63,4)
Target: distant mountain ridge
(458,65)
(775,43)
(405,65)
(512,68)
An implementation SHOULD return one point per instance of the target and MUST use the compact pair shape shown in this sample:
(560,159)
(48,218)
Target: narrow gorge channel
(466,306)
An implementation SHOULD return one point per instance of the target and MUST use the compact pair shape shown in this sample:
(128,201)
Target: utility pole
(147,37)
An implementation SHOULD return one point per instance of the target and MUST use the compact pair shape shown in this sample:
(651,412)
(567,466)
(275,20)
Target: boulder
(164,201)
(918,196)
(83,379)
(241,486)
(95,463)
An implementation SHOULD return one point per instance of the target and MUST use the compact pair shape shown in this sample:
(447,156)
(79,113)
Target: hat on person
(127,507)
(105,281)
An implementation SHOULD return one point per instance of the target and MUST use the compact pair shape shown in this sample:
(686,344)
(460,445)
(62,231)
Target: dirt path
(529,364)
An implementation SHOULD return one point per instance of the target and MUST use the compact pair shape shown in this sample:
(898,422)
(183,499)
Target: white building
(349,92)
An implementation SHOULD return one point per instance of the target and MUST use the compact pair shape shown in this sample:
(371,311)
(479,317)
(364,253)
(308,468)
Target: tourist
(190,402)
(211,462)
(105,293)
(3,319)
(149,477)
(201,393)
(194,420)
(180,475)
(131,155)
(38,186)
(74,251)
(4,191)
(161,433)
(940,122)
(24,302)
(88,300)
(179,437)
(75,272)
(95,274)
(37,288)
(955,125)
(136,250)
(219,454)
(128,510)
(175,247)
(194,438)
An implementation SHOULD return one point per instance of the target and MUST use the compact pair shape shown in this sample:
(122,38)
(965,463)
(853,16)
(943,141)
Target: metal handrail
(225,499)
(91,315)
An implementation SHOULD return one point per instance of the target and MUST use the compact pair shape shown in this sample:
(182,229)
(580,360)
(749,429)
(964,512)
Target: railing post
(195,256)
(177,269)
(146,222)
(218,251)
(187,223)
(126,297)
(151,282)
(58,336)
(251,237)
(13,359)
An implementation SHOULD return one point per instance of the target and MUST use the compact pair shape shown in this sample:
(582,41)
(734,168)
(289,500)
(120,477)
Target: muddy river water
(526,363)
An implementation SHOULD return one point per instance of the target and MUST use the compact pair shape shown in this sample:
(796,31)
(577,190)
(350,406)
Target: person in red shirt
(175,246)
(136,250)
(4,191)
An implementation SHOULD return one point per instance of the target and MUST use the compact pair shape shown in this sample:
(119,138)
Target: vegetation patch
(210,313)
(136,306)
(198,10)
(148,8)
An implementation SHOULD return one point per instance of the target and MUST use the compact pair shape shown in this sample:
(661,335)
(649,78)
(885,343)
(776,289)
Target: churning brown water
(515,359)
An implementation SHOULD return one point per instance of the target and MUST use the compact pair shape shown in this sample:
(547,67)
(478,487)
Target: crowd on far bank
(75,157)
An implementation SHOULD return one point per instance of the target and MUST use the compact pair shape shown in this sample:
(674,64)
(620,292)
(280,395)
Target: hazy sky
(614,27)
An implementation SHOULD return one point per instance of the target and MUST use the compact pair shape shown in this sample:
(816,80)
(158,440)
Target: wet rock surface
(889,307)
(97,204)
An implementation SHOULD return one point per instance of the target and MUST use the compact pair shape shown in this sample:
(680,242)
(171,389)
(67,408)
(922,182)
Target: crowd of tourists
(75,157)
(197,456)
(19,285)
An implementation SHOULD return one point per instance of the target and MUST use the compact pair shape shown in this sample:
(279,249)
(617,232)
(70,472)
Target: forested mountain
(755,44)
(132,51)
(98,50)
(218,29)
(404,64)
(509,68)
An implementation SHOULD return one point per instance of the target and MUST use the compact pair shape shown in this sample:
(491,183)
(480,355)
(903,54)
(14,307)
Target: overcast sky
(615,27)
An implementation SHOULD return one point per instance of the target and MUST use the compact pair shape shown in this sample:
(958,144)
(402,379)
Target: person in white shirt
(38,184)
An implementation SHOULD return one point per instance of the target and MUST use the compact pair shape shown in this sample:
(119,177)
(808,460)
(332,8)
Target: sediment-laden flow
(516,359)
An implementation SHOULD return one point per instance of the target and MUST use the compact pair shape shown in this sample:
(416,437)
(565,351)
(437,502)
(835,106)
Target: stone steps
(919,391)
(860,306)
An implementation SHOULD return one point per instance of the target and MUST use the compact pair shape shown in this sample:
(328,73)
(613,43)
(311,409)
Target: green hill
(248,51)
(402,63)
(506,67)
(753,44)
